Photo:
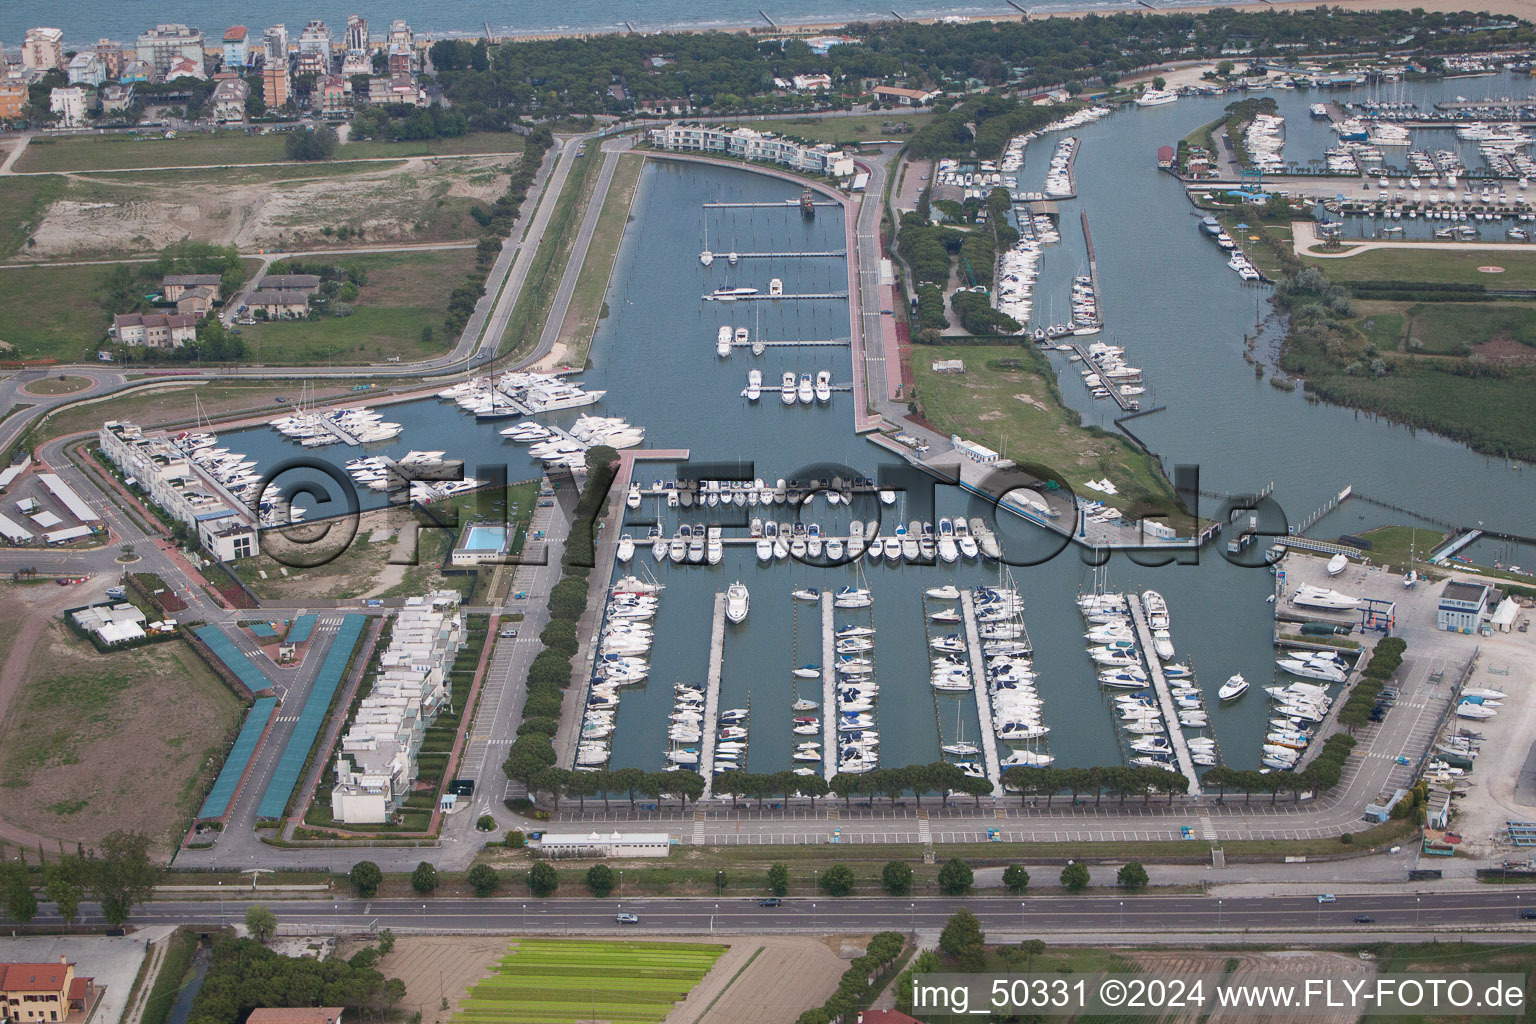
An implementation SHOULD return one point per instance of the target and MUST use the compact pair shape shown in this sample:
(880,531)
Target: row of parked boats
(569,448)
(688,493)
(623,650)
(518,393)
(855,691)
(1058,178)
(237,475)
(1264,138)
(915,542)
(805,392)
(378,473)
(685,734)
(315,428)
(1107,370)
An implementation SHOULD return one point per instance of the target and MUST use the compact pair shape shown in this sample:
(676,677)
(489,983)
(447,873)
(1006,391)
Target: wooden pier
(712,695)
(1093,266)
(1164,697)
(989,757)
(829,343)
(828,691)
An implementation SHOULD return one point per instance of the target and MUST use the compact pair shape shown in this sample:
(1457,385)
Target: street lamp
(1218,914)
(815,881)
(913,908)
(1416,911)
(1517,906)
(813,917)
(1022,926)
(719,882)
(1122,915)
(221,903)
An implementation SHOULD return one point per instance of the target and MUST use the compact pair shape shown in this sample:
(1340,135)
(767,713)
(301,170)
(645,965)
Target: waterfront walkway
(712,695)
(828,690)
(983,701)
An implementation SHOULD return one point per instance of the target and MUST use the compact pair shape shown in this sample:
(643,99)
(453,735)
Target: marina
(828,687)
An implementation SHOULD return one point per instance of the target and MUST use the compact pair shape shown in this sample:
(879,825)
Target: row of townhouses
(753,145)
(226,528)
(376,765)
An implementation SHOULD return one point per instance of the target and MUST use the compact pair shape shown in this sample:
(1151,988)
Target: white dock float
(1164,698)
(828,691)
(983,699)
(712,695)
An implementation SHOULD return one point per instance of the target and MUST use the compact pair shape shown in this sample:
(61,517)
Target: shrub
(1015,878)
(1075,877)
(778,880)
(956,878)
(896,877)
(542,880)
(838,880)
(1132,877)
(599,880)
(424,878)
(484,879)
(365,877)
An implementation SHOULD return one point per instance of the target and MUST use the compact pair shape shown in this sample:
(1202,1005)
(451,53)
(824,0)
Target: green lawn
(1392,545)
(52,311)
(405,293)
(859,128)
(1456,328)
(1384,330)
(558,981)
(1019,411)
(106,152)
(1451,266)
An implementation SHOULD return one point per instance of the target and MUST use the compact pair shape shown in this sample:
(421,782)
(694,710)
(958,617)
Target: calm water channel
(1167,297)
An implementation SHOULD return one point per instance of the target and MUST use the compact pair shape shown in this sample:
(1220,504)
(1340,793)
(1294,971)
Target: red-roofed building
(1165,156)
(43,992)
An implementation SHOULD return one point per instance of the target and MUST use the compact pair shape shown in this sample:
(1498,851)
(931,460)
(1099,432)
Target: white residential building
(85,69)
(752,145)
(274,43)
(376,765)
(316,39)
(70,104)
(164,46)
(172,482)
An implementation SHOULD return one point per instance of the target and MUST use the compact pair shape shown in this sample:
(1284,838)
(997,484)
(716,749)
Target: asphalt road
(1101,914)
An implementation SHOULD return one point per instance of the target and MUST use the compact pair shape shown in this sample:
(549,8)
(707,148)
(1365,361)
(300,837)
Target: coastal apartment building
(274,43)
(229,99)
(163,46)
(357,32)
(85,68)
(33,992)
(752,145)
(43,48)
(274,83)
(237,53)
(72,103)
(376,765)
(225,528)
(315,45)
(13,97)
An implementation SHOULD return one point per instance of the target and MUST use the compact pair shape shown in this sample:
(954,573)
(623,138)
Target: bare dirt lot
(438,967)
(1257,968)
(66,770)
(762,993)
(418,201)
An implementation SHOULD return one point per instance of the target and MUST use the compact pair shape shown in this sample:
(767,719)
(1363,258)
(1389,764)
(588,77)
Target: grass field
(52,312)
(157,406)
(23,202)
(62,772)
(1490,413)
(1451,266)
(1458,328)
(859,128)
(555,982)
(1019,410)
(118,152)
(251,175)
(405,293)
(592,284)
(1392,545)
(106,152)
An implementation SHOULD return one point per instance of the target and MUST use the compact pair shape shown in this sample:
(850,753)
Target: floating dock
(787,204)
(337,431)
(1126,403)
(791,297)
(983,700)
(830,254)
(712,695)
(828,691)
(842,343)
(1164,697)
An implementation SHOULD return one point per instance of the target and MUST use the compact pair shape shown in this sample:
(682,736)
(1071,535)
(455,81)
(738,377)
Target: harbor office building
(752,145)
(376,766)
(1463,607)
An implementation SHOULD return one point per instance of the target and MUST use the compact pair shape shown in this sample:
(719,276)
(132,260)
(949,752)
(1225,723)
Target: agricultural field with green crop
(557,981)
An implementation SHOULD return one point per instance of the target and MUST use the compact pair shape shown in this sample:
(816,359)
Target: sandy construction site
(412,200)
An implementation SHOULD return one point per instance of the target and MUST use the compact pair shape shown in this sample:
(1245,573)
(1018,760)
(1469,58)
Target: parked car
(508,634)
(1327,897)
(627,919)
(116,593)
(546,504)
